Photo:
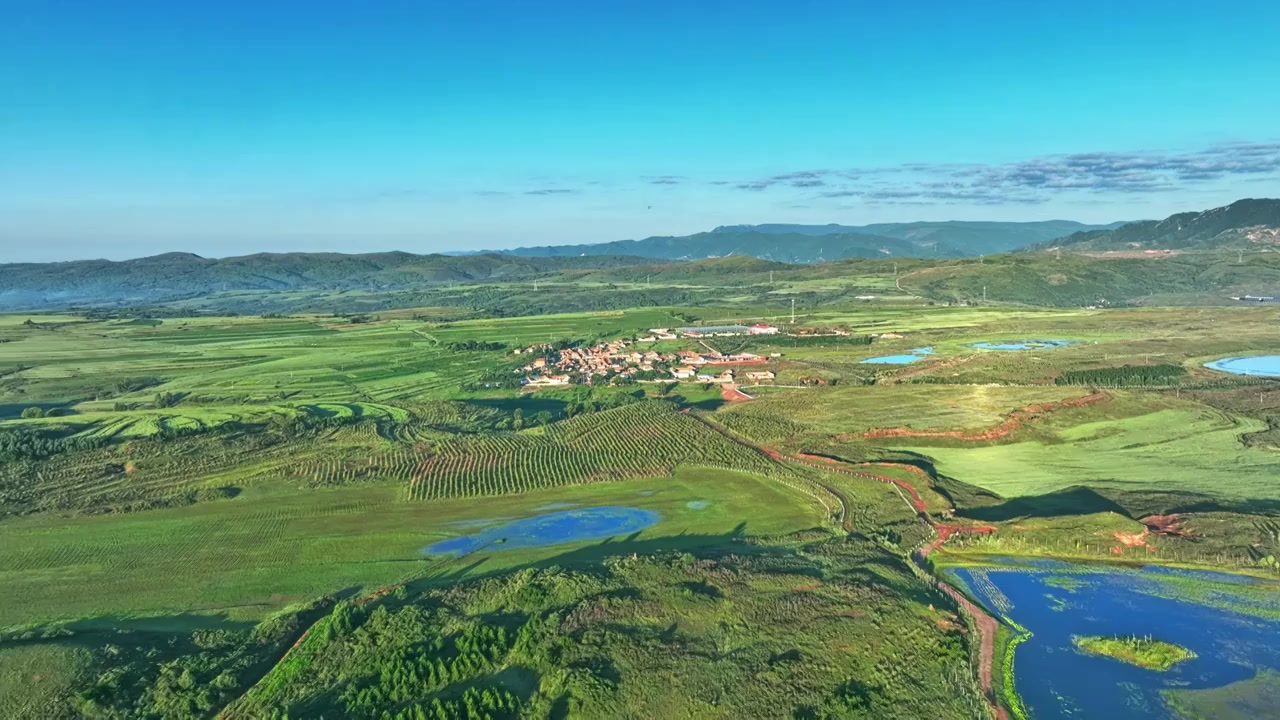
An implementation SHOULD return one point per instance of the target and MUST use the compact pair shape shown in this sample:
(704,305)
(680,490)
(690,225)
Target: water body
(698,504)
(1014,345)
(905,359)
(1055,601)
(594,523)
(1262,365)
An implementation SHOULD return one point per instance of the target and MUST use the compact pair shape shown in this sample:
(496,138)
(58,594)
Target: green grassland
(272,545)
(1243,700)
(1165,443)
(200,490)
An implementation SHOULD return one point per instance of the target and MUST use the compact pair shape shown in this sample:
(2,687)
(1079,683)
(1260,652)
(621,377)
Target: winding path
(984,623)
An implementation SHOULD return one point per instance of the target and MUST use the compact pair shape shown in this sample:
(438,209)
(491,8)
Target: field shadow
(1076,500)
(13,411)
(530,405)
(697,545)
(1082,500)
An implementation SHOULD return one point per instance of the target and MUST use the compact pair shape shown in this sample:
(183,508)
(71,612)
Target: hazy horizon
(136,128)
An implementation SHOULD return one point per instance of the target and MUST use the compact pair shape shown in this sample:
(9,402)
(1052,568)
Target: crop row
(632,441)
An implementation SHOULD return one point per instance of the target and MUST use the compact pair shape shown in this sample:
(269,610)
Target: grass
(35,678)
(273,544)
(1141,651)
(752,605)
(671,636)
(1163,445)
(1244,700)
(920,407)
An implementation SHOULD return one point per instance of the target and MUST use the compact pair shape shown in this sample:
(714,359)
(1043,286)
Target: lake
(595,523)
(1218,616)
(1023,345)
(1262,365)
(904,359)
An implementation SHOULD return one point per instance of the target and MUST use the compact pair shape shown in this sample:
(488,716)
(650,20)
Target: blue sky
(129,128)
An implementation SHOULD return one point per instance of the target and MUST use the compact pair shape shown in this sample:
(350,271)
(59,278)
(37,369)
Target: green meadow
(182,498)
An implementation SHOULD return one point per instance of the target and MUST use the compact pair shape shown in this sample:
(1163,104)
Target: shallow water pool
(1056,601)
(904,359)
(1259,365)
(594,523)
(1014,345)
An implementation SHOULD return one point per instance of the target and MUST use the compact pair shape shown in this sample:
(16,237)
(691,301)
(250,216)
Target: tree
(517,421)
(33,412)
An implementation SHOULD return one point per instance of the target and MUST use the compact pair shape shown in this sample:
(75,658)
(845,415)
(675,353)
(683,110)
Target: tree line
(1125,375)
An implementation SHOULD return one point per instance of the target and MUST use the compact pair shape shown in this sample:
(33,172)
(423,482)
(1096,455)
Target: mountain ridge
(1251,224)
(798,243)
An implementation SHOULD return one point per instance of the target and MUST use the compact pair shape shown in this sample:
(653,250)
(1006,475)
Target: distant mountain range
(1197,254)
(818,243)
(1248,225)
(174,276)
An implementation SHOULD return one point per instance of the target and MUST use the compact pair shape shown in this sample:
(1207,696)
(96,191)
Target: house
(647,338)
(763,330)
(760,375)
(722,378)
(540,363)
(683,372)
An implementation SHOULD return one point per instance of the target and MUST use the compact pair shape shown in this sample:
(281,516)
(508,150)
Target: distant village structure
(622,359)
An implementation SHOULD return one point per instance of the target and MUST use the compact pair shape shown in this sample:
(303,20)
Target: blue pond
(1054,680)
(549,529)
(1023,345)
(904,359)
(1265,365)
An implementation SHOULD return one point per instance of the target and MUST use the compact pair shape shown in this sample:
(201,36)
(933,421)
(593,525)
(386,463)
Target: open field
(1166,445)
(245,475)
(270,546)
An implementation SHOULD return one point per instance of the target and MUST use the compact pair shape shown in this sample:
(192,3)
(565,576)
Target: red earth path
(983,621)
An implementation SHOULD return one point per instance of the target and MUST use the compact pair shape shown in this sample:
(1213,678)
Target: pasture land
(184,483)
(1162,444)
(272,544)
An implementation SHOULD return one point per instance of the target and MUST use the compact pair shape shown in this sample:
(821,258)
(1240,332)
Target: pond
(1232,624)
(1263,365)
(565,526)
(904,359)
(1023,344)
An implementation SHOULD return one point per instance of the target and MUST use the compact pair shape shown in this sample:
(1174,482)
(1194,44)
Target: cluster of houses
(619,359)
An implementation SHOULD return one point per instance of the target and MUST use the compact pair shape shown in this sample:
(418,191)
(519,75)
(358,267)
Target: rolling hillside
(1245,225)
(818,243)
(181,275)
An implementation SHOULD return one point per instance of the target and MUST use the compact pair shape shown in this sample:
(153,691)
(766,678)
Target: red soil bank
(731,393)
(1165,525)
(1012,422)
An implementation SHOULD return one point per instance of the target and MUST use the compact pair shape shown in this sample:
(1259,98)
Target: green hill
(174,276)
(1245,225)
(1076,280)
(818,243)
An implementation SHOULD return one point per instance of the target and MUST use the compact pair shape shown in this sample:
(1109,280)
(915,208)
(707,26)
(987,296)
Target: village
(624,361)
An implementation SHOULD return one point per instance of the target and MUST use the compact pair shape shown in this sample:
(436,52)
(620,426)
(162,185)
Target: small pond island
(1141,651)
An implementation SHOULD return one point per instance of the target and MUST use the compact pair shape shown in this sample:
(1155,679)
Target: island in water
(1144,652)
